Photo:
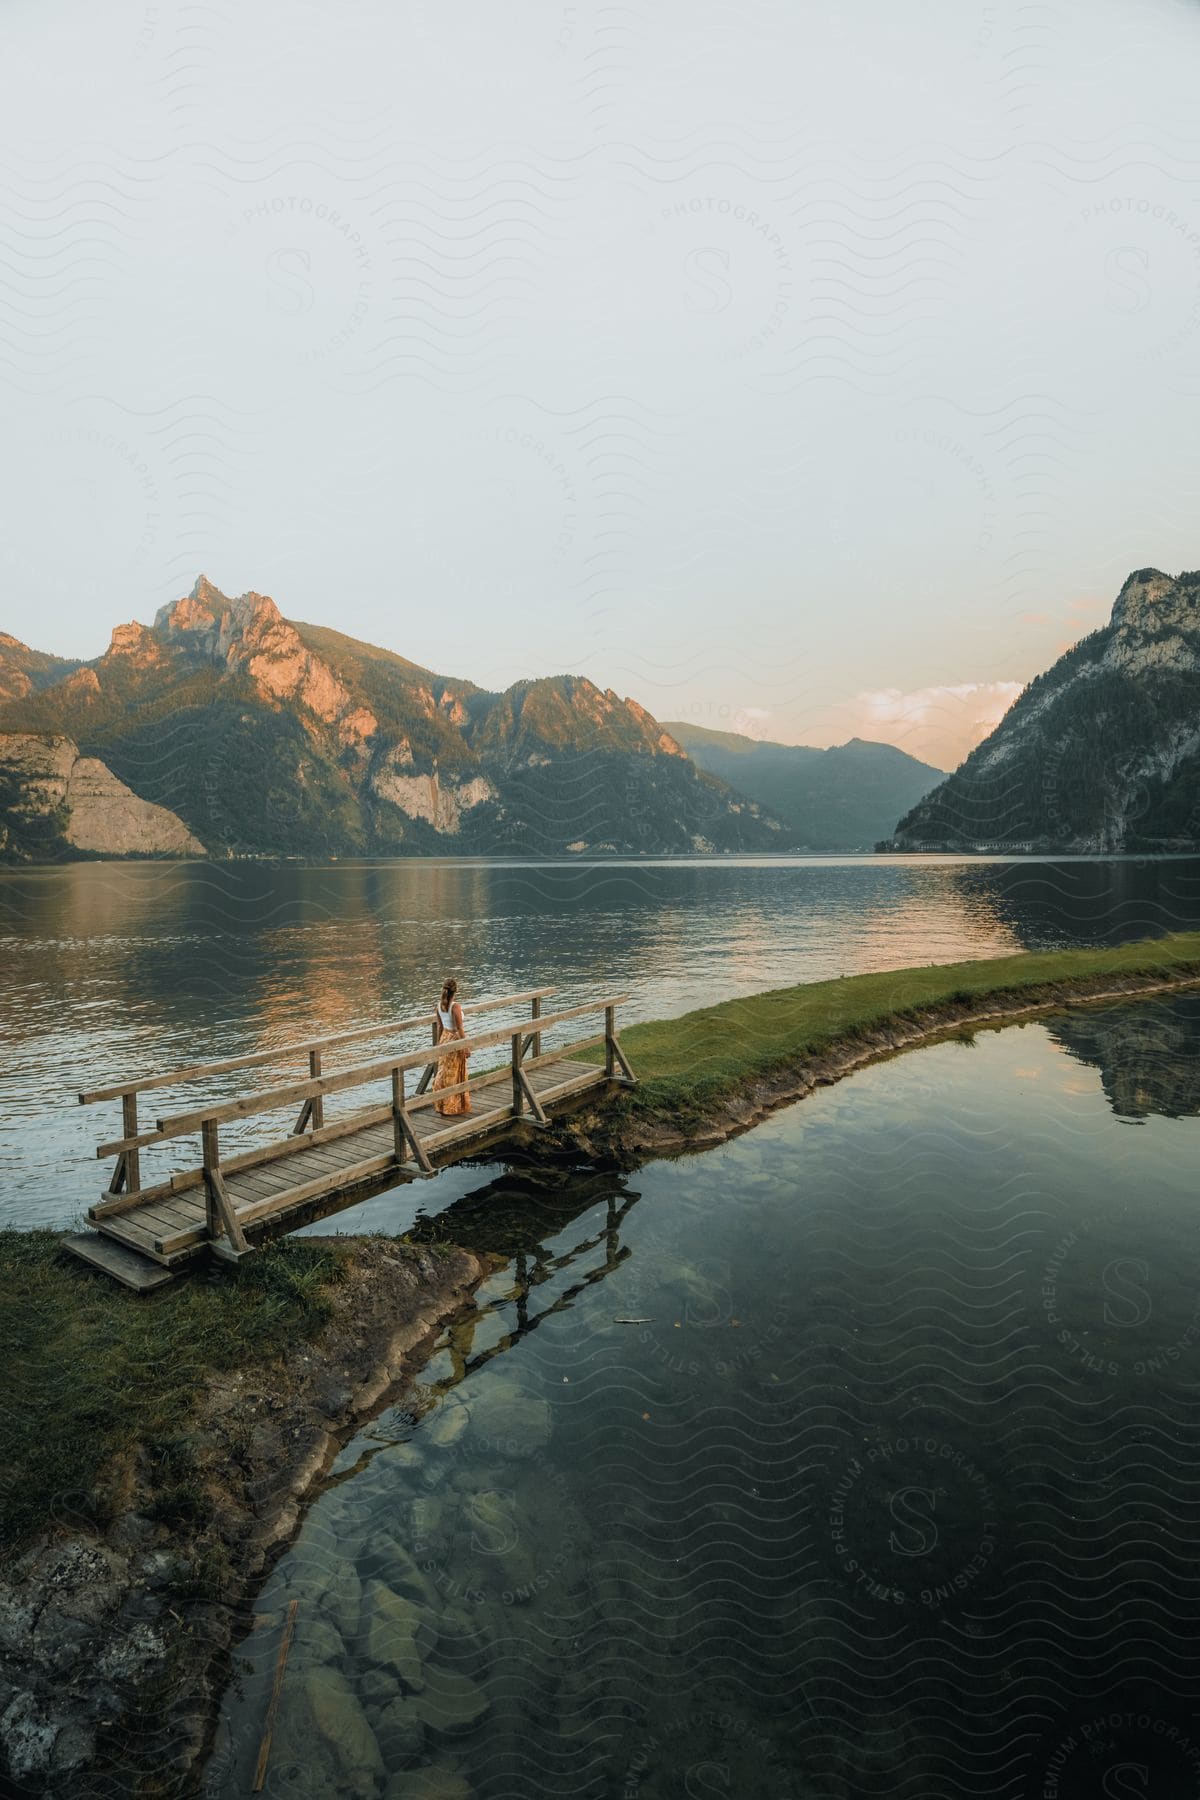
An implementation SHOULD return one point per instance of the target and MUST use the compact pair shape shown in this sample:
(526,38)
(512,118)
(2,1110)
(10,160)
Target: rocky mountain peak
(1152,601)
(249,634)
(354,748)
(1100,753)
(216,619)
(132,640)
(84,684)
(208,594)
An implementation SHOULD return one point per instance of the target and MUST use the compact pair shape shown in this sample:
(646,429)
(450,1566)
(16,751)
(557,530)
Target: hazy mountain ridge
(25,671)
(840,799)
(266,736)
(1100,753)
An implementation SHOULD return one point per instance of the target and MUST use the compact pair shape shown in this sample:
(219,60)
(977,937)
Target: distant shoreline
(606,859)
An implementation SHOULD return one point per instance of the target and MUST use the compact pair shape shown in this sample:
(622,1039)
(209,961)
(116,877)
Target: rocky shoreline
(114,1647)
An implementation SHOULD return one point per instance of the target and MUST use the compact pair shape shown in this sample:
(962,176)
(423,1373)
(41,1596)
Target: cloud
(751,721)
(938,724)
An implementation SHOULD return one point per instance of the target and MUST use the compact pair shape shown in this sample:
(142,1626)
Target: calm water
(114,970)
(890,1490)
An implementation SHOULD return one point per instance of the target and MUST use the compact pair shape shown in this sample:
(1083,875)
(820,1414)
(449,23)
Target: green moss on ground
(93,1369)
(687,1066)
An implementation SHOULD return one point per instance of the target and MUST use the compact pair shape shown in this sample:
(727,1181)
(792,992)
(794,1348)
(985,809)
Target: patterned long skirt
(450,1071)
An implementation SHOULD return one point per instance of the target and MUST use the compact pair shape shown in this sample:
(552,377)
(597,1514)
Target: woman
(453,1068)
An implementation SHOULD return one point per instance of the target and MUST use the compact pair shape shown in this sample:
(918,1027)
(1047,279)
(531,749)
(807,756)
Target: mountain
(268,736)
(844,798)
(25,671)
(1099,754)
(55,802)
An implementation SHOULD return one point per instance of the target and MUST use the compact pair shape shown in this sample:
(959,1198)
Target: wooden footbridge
(226,1203)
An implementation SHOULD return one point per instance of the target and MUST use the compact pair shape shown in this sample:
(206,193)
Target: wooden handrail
(409,1156)
(285,1052)
(181,1124)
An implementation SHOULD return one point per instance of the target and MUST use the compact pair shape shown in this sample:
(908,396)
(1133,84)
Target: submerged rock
(448,1423)
(377,1688)
(323,1731)
(513,1422)
(463,1643)
(341,1594)
(450,1702)
(400,1732)
(428,1784)
(394,1633)
(428,1521)
(387,1561)
(316,1641)
(490,1516)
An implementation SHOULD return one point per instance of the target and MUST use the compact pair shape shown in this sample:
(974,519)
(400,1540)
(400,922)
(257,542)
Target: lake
(889,1487)
(121,969)
(856,1457)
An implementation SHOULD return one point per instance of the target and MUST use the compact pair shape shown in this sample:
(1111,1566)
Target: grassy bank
(157,1450)
(92,1370)
(690,1065)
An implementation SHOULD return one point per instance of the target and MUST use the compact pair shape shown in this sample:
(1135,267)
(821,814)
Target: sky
(804,370)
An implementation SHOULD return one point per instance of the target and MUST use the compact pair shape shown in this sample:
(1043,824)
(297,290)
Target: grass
(92,1370)
(689,1064)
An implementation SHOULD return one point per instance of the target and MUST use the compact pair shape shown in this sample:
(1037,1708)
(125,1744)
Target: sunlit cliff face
(249,632)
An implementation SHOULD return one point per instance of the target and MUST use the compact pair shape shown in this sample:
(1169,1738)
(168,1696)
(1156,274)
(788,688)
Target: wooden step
(128,1266)
(126,1231)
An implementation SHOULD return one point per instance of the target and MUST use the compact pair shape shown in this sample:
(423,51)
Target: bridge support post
(404,1137)
(399,1140)
(533,1039)
(316,1105)
(314,1108)
(427,1071)
(219,1208)
(613,1053)
(523,1087)
(130,1163)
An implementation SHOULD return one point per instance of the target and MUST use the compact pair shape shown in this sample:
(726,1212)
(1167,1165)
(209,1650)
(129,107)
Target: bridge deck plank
(173,1229)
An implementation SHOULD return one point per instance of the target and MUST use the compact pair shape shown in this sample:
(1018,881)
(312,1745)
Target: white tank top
(447,1019)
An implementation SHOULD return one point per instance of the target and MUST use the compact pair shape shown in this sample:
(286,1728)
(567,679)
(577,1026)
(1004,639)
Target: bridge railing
(207,1118)
(126,1176)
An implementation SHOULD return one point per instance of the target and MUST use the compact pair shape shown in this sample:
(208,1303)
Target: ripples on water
(115,970)
(891,1491)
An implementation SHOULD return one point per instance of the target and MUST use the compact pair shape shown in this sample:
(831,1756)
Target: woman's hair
(449,989)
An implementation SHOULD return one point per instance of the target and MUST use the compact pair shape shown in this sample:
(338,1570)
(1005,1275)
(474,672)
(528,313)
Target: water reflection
(526,1226)
(1048,904)
(111,969)
(1148,1054)
(845,1459)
